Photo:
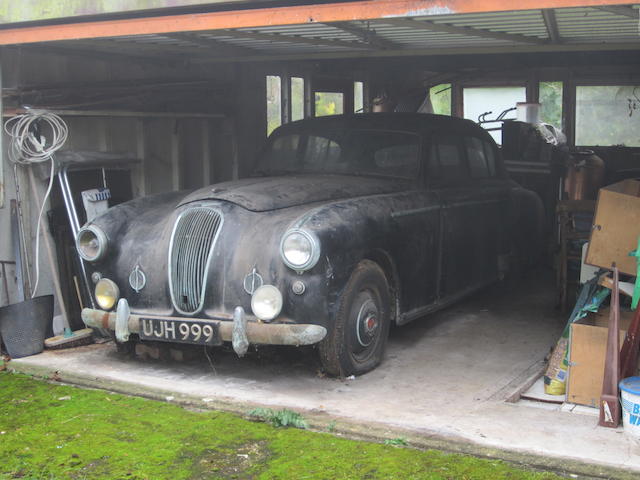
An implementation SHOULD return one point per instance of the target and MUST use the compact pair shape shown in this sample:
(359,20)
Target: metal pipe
(72,214)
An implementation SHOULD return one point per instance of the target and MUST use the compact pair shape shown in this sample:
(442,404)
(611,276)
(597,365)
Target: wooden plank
(289,15)
(586,365)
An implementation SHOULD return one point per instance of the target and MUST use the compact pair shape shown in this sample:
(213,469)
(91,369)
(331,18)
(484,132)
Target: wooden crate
(616,227)
(586,359)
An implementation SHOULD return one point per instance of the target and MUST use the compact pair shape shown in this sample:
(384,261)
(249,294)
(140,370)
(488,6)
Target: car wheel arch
(388,266)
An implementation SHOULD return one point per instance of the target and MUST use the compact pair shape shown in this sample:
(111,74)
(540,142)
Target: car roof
(410,122)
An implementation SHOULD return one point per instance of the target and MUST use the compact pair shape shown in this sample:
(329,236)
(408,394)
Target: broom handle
(50,255)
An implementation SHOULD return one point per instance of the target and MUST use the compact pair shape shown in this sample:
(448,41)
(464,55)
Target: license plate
(191,331)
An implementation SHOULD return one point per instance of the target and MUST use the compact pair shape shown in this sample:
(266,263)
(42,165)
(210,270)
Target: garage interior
(183,97)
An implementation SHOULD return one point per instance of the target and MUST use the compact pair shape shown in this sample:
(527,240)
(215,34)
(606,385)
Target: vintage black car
(349,223)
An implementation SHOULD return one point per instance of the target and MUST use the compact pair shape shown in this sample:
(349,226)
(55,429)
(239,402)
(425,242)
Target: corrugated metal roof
(575,26)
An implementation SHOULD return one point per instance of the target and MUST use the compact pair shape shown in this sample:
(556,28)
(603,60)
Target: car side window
(491,158)
(285,149)
(449,158)
(476,157)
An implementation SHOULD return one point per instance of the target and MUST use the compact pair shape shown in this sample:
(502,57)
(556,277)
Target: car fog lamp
(300,250)
(266,302)
(91,243)
(107,293)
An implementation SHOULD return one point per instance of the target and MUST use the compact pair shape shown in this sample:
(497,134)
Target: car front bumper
(241,332)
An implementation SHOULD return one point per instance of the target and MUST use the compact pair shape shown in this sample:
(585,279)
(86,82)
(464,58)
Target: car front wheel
(357,341)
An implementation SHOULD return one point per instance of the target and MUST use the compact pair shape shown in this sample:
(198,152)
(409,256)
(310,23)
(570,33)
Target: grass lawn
(52,431)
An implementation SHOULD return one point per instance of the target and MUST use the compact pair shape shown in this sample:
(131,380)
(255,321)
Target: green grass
(58,432)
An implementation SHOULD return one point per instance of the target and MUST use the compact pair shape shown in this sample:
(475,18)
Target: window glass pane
(399,158)
(358,97)
(449,159)
(274,103)
(490,155)
(492,99)
(441,98)
(433,167)
(297,98)
(608,115)
(478,167)
(329,103)
(375,152)
(551,103)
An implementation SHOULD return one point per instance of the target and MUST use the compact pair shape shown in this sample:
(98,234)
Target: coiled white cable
(25,149)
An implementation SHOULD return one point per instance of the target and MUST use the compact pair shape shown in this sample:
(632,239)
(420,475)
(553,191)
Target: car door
(416,228)
(472,201)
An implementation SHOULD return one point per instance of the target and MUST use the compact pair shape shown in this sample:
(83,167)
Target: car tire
(356,343)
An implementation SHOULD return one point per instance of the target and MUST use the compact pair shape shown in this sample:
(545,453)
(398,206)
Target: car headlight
(300,249)
(107,293)
(266,302)
(91,242)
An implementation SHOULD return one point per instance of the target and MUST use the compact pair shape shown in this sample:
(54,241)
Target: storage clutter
(591,355)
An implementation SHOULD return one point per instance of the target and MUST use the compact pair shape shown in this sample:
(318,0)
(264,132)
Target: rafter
(367,35)
(469,31)
(426,52)
(276,37)
(549,16)
(622,10)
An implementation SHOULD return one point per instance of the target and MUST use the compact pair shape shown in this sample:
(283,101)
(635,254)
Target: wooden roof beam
(549,16)
(277,37)
(468,31)
(278,15)
(366,34)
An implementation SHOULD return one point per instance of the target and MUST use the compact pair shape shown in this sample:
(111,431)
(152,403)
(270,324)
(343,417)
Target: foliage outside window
(550,95)
(492,99)
(274,103)
(358,97)
(440,96)
(297,98)
(329,103)
(608,115)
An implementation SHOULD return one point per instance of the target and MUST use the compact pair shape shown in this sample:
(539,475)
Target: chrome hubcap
(367,323)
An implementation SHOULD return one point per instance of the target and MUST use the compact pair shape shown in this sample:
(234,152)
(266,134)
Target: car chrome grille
(192,244)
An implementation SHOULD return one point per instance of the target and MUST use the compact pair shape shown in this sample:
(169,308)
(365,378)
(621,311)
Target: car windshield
(359,152)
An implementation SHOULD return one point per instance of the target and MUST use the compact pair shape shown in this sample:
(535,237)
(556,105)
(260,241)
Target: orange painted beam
(294,15)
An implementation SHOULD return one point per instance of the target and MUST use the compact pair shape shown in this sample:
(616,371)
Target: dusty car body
(349,224)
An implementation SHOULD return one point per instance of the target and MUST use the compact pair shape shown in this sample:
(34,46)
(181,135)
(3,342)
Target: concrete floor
(445,378)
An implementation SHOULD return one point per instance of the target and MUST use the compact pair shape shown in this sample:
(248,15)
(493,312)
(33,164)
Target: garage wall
(178,152)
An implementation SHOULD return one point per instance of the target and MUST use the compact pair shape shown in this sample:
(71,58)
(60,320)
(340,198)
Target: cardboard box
(586,357)
(616,227)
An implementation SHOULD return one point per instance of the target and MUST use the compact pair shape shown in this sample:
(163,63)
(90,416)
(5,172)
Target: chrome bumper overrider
(241,331)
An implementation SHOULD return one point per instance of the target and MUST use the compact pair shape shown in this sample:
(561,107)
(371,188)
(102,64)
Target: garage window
(492,99)
(550,94)
(440,96)
(274,103)
(297,98)
(358,97)
(608,115)
(329,103)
